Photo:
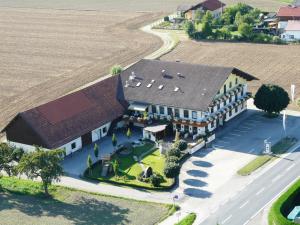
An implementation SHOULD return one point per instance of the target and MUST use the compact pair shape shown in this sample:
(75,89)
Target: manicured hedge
(188,220)
(284,205)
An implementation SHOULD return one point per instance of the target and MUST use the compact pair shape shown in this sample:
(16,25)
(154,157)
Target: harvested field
(48,53)
(278,64)
(128,5)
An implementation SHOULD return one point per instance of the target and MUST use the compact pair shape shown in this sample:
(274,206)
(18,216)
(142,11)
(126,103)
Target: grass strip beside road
(24,200)
(188,220)
(284,205)
(279,148)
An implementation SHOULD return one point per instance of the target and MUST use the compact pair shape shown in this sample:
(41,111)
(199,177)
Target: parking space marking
(247,128)
(225,142)
(218,146)
(260,191)
(240,131)
(243,205)
(233,134)
(228,218)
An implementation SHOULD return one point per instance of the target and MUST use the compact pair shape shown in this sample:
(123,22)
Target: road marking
(233,134)
(252,150)
(260,191)
(228,218)
(218,146)
(243,205)
(290,167)
(276,178)
(225,142)
(246,128)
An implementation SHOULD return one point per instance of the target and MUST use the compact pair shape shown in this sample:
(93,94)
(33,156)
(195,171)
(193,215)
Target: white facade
(291,35)
(26,148)
(282,25)
(72,146)
(100,132)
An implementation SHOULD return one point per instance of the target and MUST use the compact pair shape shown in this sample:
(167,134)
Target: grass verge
(279,148)
(188,220)
(284,205)
(23,200)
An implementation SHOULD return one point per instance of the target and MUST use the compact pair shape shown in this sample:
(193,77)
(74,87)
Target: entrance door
(86,139)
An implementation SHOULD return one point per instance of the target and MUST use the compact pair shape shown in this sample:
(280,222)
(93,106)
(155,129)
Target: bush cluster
(174,152)
(181,145)
(171,169)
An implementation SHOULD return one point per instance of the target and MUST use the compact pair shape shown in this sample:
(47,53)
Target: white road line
(228,218)
(290,167)
(260,191)
(243,205)
(276,178)
(225,142)
(232,134)
(252,150)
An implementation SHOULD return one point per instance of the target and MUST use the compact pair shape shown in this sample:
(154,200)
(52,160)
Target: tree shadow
(82,210)
(202,163)
(197,193)
(197,173)
(195,183)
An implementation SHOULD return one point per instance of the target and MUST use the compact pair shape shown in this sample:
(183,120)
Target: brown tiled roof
(289,11)
(197,84)
(210,5)
(61,121)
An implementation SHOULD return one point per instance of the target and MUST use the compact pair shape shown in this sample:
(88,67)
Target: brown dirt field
(277,64)
(47,53)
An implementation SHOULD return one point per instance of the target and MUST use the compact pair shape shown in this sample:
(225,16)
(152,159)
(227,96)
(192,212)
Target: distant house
(287,13)
(292,31)
(216,7)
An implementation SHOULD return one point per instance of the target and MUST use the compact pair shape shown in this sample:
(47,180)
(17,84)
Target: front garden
(144,166)
(284,205)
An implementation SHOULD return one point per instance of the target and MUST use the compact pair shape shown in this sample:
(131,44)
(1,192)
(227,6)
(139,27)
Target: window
(73,145)
(104,130)
(230,113)
(186,113)
(236,97)
(224,88)
(178,127)
(236,80)
(161,110)
(292,37)
(212,109)
(218,106)
(236,109)
(176,112)
(153,109)
(186,128)
(230,84)
(212,125)
(195,131)
(170,111)
(194,115)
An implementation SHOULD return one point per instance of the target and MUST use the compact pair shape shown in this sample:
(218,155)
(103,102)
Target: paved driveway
(208,179)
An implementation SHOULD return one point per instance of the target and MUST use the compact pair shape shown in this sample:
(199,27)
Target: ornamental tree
(8,155)
(128,133)
(114,140)
(116,69)
(89,163)
(42,164)
(271,98)
(96,150)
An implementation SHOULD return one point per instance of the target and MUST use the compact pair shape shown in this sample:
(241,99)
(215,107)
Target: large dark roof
(61,121)
(197,84)
(210,5)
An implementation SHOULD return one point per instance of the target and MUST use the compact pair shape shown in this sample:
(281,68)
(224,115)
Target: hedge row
(284,205)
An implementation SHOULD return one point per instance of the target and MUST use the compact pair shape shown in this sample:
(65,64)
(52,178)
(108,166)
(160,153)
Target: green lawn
(188,220)
(130,169)
(279,148)
(23,202)
(283,206)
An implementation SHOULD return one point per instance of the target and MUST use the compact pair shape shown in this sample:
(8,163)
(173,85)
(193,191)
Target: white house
(292,31)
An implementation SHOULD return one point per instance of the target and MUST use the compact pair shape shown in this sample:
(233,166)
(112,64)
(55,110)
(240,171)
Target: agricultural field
(278,64)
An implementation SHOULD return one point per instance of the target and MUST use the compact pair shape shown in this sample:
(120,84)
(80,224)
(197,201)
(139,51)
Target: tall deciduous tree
(42,164)
(8,155)
(271,98)
(245,30)
(189,28)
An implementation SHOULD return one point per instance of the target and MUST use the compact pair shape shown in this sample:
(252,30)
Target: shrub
(171,169)
(174,152)
(116,69)
(172,159)
(156,180)
(181,145)
(277,40)
(166,19)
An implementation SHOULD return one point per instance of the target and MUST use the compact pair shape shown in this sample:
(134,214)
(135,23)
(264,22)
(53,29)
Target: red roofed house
(292,31)
(216,7)
(287,13)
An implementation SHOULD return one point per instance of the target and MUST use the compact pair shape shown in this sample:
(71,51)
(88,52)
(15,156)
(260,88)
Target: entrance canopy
(155,129)
(138,107)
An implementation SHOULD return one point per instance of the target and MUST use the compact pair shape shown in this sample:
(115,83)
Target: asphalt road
(246,204)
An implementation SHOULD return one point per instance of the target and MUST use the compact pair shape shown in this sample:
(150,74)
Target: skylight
(161,87)
(176,89)
(149,85)
(138,84)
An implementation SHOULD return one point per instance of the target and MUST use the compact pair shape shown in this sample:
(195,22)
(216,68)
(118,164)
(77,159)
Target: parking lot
(209,178)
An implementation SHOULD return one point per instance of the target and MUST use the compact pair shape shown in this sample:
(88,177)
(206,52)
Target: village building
(292,31)
(286,13)
(157,96)
(189,12)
